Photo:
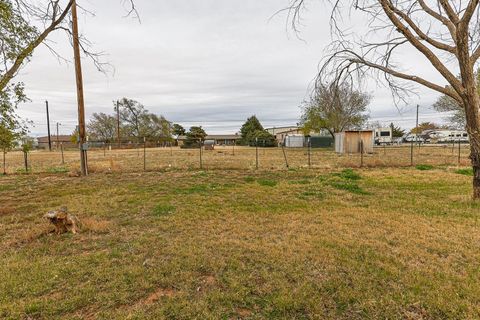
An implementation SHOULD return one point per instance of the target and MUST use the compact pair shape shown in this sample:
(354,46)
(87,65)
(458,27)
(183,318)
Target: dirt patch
(6,210)
(157,295)
(243,312)
(206,282)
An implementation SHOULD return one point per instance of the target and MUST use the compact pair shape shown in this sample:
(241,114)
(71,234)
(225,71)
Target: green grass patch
(465,172)
(424,167)
(347,186)
(267,183)
(249,179)
(348,174)
(57,170)
(314,193)
(162,209)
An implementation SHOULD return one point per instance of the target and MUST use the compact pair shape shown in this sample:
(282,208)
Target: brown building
(66,140)
(351,141)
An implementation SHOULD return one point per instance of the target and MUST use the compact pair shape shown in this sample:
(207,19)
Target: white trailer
(383,136)
(448,136)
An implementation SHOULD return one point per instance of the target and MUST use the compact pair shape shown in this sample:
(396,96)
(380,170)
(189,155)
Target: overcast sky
(197,62)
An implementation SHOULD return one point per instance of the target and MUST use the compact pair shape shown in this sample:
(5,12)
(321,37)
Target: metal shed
(295,141)
(351,141)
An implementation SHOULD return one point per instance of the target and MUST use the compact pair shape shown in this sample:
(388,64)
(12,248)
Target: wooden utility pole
(80,99)
(48,128)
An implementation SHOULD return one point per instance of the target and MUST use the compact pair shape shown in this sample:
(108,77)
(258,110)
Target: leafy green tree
(249,129)
(426,126)
(178,130)
(195,137)
(263,138)
(335,108)
(397,132)
(155,128)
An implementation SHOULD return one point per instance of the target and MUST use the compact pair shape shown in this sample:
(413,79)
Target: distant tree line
(134,122)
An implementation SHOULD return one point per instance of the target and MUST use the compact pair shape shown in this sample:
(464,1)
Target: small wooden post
(25,158)
(61,150)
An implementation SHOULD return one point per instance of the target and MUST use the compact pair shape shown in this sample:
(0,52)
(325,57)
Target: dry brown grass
(95,225)
(160,159)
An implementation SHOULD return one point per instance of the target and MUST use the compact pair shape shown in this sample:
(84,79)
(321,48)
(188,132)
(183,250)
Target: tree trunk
(475,157)
(473,128)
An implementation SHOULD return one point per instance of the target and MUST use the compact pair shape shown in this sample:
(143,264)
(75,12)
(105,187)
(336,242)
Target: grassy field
(157,159)
(386,243)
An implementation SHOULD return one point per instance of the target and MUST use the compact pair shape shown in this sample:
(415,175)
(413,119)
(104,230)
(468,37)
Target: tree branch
(10,73)
(389,8)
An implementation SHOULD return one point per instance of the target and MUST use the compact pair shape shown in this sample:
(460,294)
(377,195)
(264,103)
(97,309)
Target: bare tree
(335,108)
(445,33)
(102,127)
(25,25)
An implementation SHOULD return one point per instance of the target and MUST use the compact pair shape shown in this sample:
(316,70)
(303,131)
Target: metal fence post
(411,153)
(459,152)
(201,164)
(285,156)
(309,146)
(144,154)
(256,153)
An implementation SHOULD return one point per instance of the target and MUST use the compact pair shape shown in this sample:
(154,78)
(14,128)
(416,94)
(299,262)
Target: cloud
(208,62)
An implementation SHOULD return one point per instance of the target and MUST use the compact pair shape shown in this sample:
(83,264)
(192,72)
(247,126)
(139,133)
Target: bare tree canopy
(25,25)
(445,33)
(335,108)
(136,122)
